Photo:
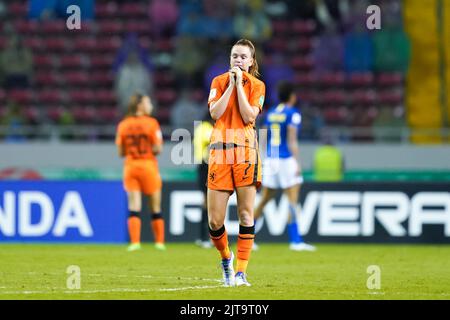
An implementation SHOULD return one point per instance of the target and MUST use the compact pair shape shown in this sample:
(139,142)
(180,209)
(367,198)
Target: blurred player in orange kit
(235,100)
(139,140)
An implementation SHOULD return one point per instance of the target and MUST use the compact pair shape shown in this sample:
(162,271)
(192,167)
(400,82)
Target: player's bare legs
(134,221)
(295,238)
(154,201)
(217,206)
(246,200)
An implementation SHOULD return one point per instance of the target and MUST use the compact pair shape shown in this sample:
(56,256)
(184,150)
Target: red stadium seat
(82,96)
(364,97)
(106,10)
(3,42)
(299,26)
(54,113)
(134,10)
(391,97)
(77,78)
(302,62)
(83,115)
(26,27)
(18,9)
(305,79)
(334,97)
(31,114)
(22,96)
(50,96)
(111,27)
(280,27)
(138,26)
(364,79)
(389,79)
(72,61)
(85,45)
(34,43)
(52,27)
(102,79)
(47,79)
(164,78)
(44,61)
(163,114)
(166,96)
(55,44)
(2,96)
(332,79)
(102,61)
(109,44)
(105,97)
(107,114)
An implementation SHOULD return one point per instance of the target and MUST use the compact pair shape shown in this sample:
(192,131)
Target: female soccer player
(139,140)
(235,100)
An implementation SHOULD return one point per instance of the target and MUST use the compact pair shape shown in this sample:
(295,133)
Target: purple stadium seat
(302,62)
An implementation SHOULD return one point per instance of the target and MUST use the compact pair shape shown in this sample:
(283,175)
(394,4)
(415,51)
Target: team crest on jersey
(212,94)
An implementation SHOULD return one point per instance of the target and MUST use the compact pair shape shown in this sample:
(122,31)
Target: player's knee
(215,224)
(246,217)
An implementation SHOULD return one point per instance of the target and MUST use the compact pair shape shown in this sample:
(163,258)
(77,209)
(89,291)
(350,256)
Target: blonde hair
(253,70)
(133,104)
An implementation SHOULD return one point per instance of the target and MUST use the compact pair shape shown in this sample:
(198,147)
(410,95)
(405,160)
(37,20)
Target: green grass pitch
(184,271)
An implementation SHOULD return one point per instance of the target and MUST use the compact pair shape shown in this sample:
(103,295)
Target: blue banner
(63,211)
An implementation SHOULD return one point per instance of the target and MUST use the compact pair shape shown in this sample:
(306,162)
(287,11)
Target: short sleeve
(215,92)
(295,120)
(257,95)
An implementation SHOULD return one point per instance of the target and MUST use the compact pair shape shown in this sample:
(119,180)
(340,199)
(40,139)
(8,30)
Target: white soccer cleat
(301,247)
(241,280)
(134,247)
(255,247)
(160,246)
(228,271)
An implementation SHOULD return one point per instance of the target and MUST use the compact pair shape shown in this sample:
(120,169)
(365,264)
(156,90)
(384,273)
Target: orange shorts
(233,167)
(143,176)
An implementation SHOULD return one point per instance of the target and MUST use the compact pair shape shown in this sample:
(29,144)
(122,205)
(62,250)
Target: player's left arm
(248,109)
(293,145)
(119,142)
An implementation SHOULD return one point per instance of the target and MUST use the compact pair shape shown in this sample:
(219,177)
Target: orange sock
(158,227)
(134,229)
(244,247)
(220,240)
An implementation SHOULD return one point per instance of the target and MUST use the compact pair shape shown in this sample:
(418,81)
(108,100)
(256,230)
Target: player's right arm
(218,101)
(156,139)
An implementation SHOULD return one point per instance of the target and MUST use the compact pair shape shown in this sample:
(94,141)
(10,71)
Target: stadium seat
(305,79)
(163,114)
(26,27)
(280,27)
(35,43)
(47,79)
(102,79)
(22,96)
(50,96)
(52,27)
(44,61)
(166,96)
(363,79)
(83,114)
(106,10)
(113,27)
(55,44)
(82,96)
(106,97)
(77,78)
(302,63)
(391,97)
(18,9)
(72,62)
(3,42)
(31,114)
(102,61)
(2,96)
(133,10)
(111,44)
(331,79)
(138,26)
(54,113)
(84,44)
(299,26)
(389,79)
(363,97)
(334,97)
(107,114)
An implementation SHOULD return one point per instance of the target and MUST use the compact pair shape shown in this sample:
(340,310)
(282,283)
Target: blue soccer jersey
(277,121)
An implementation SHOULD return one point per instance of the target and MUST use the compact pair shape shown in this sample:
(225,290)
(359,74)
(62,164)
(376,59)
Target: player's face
(241,57)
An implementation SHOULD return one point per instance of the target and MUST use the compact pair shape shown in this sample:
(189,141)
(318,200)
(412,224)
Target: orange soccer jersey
(234,157)
(137,135)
